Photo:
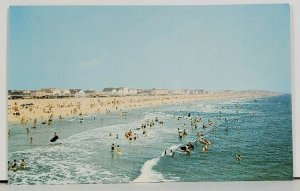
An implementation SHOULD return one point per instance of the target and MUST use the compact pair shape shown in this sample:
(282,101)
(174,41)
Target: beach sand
(43,109)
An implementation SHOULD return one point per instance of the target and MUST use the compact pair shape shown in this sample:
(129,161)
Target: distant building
(114,92)
(66,93)
(56,92)
(132,92)
(143,92)
(73,92)
(108,91)
(121,91)
(45,93)
(100,93)
(91,93)
(155,91)
(16,94)
(80,94)
(177,92)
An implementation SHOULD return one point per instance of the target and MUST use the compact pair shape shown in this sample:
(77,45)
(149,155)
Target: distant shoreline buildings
(56,93)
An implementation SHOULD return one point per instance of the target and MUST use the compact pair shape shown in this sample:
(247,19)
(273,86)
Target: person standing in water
(23,164)
(238,157)
(14,166)
(113,147)
(118,149)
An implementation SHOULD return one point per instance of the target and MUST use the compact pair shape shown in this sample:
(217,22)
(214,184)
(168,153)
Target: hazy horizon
(232,47)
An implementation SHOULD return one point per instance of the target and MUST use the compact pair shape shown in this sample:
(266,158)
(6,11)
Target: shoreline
(42,109)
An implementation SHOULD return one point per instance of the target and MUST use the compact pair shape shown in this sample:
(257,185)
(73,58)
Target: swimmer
(180,135)
(203,150)
(206,147)
(238,157)
(187,150)
(113,147)
(23,164)
(118,149)
(14,166)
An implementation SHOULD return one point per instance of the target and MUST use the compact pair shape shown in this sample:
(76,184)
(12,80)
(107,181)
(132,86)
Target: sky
(236,47)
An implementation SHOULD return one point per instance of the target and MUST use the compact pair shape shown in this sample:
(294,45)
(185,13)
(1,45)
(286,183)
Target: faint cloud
(94,62)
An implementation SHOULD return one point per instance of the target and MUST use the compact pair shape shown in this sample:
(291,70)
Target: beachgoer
(187,150)
(118,149)
(23,164)
(14,166)
(184,132)
(180,135)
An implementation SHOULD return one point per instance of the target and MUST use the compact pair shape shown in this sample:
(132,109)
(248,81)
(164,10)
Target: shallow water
(262,136)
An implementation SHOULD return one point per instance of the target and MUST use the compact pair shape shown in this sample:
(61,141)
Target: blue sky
(197,47)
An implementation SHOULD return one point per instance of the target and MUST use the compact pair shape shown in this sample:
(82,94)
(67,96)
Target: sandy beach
(43,109)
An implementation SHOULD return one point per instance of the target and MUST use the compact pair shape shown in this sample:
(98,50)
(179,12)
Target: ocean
(259,131)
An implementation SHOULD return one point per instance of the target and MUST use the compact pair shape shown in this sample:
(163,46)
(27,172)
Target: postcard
(161,93)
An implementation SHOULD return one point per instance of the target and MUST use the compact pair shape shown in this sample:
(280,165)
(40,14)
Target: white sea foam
(58,166)
(148,174)
(65,163)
